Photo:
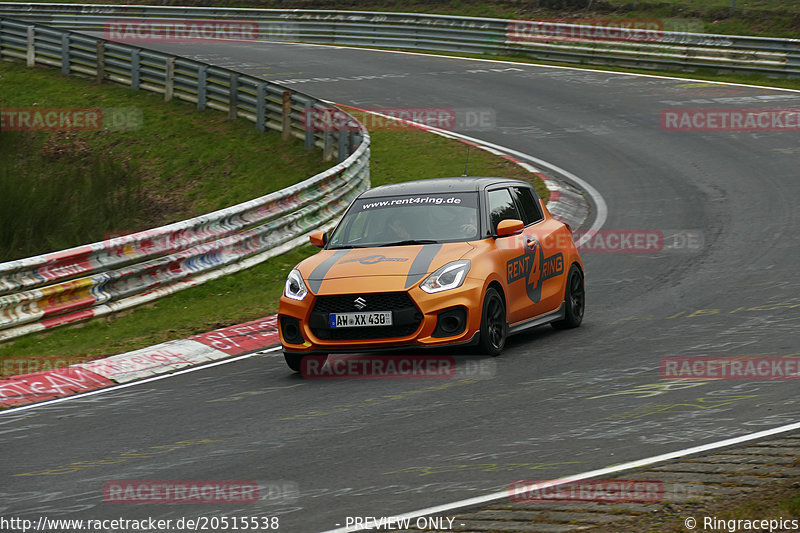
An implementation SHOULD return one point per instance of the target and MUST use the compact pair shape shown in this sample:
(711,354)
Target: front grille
(380,301)
(406,317)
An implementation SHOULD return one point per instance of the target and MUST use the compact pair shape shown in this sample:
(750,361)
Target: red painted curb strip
(242,338)
(40,386)
(169,356)
(158,359)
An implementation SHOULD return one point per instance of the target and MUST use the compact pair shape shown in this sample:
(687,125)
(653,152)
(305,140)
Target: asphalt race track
(556,402)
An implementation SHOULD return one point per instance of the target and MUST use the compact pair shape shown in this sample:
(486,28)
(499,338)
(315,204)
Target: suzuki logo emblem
(360,303)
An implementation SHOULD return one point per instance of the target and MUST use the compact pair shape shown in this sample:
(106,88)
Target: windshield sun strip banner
(469,199)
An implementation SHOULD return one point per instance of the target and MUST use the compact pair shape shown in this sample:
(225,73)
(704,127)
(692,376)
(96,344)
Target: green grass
(68,198)
(771,508)
(777,18)
(397,155)
(180,163)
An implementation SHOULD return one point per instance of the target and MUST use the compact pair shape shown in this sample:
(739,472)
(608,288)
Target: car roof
(439,185)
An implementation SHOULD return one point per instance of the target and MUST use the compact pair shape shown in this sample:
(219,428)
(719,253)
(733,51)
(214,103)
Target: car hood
(391,268)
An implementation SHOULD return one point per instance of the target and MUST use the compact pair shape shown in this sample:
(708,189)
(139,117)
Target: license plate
(357,320)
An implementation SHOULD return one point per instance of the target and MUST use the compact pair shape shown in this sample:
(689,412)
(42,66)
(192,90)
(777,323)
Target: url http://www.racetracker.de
(119,525)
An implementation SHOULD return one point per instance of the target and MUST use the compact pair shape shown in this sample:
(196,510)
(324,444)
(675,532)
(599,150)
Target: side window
(528,204)
(501,207)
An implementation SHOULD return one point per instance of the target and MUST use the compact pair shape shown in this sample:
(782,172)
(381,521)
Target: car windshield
(408,219)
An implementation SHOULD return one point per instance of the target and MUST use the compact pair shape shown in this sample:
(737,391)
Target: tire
(574,300)
(494,326)
(295,361)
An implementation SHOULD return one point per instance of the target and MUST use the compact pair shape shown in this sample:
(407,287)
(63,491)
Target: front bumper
(416,317)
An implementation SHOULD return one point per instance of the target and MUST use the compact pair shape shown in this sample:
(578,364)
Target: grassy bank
(399,154)
(775,18)
(170,163)
(56,198)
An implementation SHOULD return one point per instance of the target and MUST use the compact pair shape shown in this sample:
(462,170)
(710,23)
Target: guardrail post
(261,106)
(30,56)
(169,79)
(65,66)
(233,100)
(101,61)
(344,135)
(327,149)
(202,88)
(309,126)
(286,115)
(135,68)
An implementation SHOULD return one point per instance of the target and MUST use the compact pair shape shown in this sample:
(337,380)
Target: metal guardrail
(539,40)
(58,288)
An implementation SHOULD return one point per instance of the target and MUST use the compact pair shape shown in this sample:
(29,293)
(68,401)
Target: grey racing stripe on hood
(317,275)
(422,263)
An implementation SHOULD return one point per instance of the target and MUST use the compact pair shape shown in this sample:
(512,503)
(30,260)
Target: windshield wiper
(348,246)
(409,242)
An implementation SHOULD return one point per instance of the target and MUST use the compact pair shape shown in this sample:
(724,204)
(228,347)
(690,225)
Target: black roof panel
(438,185)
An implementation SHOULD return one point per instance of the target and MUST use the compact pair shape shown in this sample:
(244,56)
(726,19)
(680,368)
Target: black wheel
(494,326)
(574,300)
(295,361)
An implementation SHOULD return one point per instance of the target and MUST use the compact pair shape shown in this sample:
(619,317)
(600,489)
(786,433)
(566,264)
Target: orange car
(437,262)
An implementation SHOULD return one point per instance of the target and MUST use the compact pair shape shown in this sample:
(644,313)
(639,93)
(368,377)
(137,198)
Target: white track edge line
(139,382)
(478,500)
(601,207)
(529,64)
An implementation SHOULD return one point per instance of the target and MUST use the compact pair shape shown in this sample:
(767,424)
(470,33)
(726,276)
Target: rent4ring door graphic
(534,264)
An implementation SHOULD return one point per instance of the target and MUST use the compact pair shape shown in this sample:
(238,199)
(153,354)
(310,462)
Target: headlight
(448,277)
(295,287)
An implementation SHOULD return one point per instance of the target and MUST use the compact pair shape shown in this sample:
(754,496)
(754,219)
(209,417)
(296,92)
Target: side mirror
(509,226)
(318,239)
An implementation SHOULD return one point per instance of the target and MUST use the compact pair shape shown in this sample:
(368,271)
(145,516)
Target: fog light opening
(290,328)
(451,322)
